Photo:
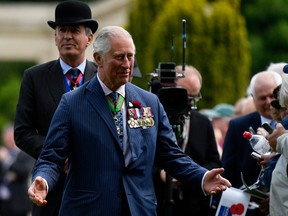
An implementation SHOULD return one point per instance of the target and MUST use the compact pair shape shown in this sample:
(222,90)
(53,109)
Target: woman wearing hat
(43,85)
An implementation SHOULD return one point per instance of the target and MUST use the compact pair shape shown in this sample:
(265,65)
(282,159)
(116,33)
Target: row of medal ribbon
(140,117)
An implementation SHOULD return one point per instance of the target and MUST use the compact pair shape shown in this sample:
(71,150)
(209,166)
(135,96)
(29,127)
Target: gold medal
(132,123)
(118,129)
(150,122)
(115,118)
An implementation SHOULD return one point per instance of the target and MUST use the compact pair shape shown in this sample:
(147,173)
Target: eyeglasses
(193,100)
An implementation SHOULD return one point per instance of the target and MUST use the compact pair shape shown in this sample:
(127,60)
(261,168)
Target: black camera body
(167,73)
(174,99)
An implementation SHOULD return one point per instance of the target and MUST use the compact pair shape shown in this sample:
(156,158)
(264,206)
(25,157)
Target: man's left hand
(214,182)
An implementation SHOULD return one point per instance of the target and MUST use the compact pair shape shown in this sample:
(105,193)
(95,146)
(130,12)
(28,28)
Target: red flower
(137,104)
(237,209)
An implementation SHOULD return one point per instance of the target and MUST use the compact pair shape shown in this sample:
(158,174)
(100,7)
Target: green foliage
(10,74)
(217,44)
(141,19)
(268,27)
(8,96)
(37,1)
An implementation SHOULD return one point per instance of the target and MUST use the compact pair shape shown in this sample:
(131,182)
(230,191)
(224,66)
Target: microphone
(183,45)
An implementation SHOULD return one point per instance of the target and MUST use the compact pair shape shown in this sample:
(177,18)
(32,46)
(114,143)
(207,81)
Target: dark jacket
(237,150)
(40,93)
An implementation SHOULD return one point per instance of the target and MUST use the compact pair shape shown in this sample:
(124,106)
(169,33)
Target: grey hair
(102,45)
(88,31)
(272,74)
(283,93)
(277,67)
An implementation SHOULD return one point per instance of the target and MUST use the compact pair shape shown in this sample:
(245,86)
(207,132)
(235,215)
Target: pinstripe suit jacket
(83,129)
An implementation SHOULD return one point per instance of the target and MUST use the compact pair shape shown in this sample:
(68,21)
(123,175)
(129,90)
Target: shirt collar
(65,67)
(107,91)
(264,119)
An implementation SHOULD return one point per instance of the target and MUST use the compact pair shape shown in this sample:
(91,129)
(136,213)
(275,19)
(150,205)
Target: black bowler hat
(73,13)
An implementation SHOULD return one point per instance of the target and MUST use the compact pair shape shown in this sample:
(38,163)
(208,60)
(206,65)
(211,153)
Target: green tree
(217,45)
(141,20)
(267,24)
(8,96)
(10,76)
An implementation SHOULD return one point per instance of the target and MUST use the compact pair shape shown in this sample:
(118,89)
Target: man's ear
(97,59)
(90,40)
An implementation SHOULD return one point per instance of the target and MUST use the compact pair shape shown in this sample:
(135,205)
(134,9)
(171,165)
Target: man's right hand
(38,191)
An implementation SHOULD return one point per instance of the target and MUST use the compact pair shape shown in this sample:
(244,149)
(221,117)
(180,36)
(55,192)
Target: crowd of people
(15,173)
(86,141)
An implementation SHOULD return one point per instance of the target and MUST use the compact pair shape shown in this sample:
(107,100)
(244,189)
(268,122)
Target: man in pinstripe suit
(108,175)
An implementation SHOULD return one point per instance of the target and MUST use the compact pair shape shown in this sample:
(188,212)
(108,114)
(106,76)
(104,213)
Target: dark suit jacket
(41,90)
(83,129)
(202,148)
(237,150)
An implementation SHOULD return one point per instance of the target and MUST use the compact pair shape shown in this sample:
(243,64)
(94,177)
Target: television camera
(163,83)
(176,103)
(174,99)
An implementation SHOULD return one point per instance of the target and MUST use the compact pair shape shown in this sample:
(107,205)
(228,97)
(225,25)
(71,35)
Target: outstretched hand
(38,191)
(214,182)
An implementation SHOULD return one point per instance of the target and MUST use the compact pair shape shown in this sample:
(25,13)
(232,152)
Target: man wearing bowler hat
(43,85)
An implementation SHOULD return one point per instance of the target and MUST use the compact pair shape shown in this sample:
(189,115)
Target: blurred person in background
(198,142)
(43,86)
(220,116)
(244,106)
(268,161)
(237,151)
(278,140)
(277,67)
(15,171)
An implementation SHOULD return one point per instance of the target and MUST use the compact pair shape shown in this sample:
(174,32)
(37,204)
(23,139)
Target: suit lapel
(135,137)
(90,71)
(55,79)
(256,121)
(55,82)
(98,101)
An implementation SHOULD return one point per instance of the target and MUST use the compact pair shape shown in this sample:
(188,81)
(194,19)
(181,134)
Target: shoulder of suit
(42,67)
(138,90)
(246,117)
(245,121)
(197,115)
(93,65)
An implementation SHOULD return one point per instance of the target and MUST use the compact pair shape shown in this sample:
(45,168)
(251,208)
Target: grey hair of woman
(277,67)
(263,76)
(102,45)
(283,93)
